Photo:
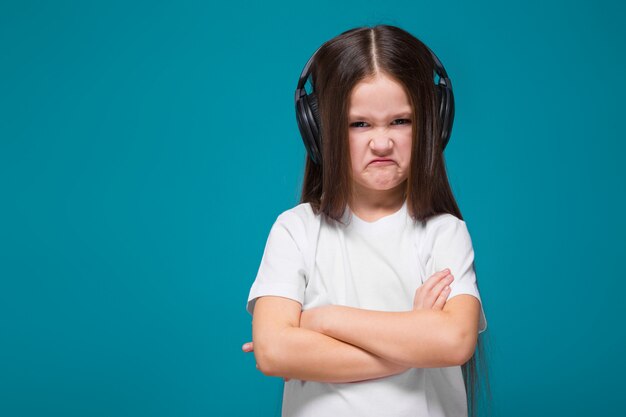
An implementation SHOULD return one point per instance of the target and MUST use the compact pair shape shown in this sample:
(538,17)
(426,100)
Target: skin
(344,344)
(431,295)
(379,128)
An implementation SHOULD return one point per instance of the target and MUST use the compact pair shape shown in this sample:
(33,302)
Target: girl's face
(379,134)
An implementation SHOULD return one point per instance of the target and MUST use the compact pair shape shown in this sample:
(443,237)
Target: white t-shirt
(372,265)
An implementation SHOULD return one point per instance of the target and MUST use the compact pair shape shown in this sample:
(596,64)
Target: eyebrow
(404,114)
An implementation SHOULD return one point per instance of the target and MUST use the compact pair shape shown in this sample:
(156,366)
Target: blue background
(146,149)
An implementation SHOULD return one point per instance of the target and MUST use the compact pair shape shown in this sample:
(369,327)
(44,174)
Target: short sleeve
(282,269)
(452,248)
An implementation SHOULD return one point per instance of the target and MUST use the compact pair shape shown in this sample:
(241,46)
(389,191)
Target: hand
(434,292)
(249,347)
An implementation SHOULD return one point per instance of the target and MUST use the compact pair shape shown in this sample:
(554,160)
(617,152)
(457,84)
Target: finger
(435,291)
(441,300)
(425,297)
(435,278)
(248,347)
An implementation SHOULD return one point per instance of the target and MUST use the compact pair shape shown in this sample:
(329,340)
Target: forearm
(418,338)
(298,353)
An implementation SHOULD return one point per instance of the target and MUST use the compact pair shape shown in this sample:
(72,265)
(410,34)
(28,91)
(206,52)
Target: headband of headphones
(307,113)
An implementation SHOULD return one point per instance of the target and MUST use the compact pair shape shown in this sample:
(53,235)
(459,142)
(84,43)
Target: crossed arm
(283,348)
(344,344)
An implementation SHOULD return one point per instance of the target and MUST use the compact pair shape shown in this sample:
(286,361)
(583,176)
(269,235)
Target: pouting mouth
(381,160)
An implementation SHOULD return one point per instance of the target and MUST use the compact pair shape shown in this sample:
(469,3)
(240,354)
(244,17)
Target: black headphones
(307,113)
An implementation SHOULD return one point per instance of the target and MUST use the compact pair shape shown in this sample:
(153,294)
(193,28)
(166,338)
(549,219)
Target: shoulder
(443,220)
(448,244)
(299,222)
(446,226)
(299,216)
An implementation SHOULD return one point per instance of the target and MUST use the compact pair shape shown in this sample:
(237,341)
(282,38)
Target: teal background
(147,147)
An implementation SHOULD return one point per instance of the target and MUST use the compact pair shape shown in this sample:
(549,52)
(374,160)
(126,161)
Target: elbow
(267,359)
(462,347)
(271,353)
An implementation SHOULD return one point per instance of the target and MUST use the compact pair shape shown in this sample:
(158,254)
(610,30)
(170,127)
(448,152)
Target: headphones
(307,112)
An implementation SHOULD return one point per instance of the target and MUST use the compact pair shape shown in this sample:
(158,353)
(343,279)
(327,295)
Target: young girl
(366,299)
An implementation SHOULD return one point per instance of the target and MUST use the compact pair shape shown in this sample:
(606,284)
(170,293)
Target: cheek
(407,147)
(406,150)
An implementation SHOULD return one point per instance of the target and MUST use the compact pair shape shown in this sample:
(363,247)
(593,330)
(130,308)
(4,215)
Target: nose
(381,143)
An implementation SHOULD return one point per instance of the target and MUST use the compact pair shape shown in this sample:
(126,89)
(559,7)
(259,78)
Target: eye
(401,122)
(358,124)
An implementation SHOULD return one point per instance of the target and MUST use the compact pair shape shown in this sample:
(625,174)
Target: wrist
(317,319)
(324,319)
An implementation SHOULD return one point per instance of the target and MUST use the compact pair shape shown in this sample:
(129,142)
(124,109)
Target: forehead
(378,95)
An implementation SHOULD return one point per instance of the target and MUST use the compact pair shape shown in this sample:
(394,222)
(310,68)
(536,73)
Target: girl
(341,305)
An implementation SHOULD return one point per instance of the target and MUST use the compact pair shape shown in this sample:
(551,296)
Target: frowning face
(379,134)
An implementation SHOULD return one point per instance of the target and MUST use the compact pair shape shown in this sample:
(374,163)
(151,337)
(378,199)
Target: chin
(381,187)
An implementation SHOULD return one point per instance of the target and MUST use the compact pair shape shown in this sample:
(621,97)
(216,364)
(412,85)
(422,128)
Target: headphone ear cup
(315,110)
(441,99)
(448,116)
(309,127)
(314,123)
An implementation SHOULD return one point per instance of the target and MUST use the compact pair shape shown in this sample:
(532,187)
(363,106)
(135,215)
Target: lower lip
(382,163)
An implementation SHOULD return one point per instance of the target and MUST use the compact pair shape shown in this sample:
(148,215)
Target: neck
(370,205)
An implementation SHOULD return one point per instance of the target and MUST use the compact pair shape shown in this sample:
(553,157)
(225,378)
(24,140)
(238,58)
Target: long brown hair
(339,65)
